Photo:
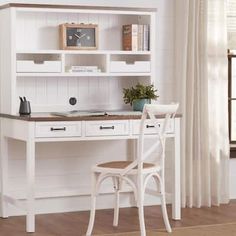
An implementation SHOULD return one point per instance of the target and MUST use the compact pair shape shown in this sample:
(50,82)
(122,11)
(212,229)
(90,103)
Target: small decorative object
(83,69)
(72,101)
(78,36)
(139,95)
(24,106)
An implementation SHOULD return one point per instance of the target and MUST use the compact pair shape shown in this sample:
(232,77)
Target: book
(146,36)
(140,37)
(130,37)
(83,69)
(136,37)
(123,113)
(77,113)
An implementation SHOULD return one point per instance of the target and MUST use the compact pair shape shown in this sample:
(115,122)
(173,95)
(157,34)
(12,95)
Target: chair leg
(117,201)
(93,205)
(140,207)
(163,208)
(116,208)
(163,202)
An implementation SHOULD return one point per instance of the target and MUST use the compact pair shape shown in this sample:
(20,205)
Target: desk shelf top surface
(47,117)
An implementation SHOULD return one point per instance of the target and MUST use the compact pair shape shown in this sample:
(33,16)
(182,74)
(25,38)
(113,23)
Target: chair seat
(118,166)
(122,164)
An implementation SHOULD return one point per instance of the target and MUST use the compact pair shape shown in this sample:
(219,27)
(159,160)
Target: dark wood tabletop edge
(45,118)
(63,6)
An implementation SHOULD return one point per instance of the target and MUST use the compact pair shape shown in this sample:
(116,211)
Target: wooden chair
(137,173)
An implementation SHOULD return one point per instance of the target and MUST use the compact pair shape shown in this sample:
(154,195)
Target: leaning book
(130,37)
(136,37)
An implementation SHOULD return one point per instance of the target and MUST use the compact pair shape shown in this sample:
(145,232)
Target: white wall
(232,178)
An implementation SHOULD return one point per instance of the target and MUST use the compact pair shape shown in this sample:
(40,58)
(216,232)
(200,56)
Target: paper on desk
(123,113)
(96,113)
(79,113)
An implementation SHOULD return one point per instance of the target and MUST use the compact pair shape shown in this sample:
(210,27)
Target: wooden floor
(75,224)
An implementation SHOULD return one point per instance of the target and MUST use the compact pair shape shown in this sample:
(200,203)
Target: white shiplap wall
(91,93)
(165,71)
(232,179)
(68,164)
(39,31)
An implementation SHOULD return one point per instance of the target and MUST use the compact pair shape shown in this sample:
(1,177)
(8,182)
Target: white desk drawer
(150,128)
(106,128)
(58,129)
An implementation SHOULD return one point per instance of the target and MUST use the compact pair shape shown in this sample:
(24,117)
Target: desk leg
(176,190)
(133,146)
(4,175)
(30,170)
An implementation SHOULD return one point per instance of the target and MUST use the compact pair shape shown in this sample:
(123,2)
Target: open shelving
(102,59)
(34,35)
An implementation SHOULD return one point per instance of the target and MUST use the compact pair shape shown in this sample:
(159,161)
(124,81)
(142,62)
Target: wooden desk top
(47,117)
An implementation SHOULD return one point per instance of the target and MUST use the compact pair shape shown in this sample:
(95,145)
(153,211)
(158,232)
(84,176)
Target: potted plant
(139,95)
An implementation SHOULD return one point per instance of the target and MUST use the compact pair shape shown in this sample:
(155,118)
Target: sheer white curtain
(201,70)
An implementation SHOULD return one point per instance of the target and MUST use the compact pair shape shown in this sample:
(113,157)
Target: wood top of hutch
(59,6)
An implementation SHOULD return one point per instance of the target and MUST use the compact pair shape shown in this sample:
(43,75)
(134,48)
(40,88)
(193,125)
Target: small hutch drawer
(136,66)
(106,128)
(27,66)
(58,129)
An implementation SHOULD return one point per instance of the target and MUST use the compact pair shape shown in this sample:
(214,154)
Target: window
(232,96)
(231,28)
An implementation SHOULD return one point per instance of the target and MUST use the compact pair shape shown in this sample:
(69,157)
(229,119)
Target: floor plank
(75,224)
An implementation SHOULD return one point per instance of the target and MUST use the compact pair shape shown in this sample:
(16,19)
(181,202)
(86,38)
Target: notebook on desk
(96,113)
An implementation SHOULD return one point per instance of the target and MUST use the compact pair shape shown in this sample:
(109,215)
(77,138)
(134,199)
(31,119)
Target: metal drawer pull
(152,126)
(58,129)
(107,127)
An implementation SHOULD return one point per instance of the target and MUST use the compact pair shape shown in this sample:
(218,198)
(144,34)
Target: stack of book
(136,37)
(83,69)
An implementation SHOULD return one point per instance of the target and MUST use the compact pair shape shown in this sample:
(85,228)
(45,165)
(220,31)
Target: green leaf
(140,91)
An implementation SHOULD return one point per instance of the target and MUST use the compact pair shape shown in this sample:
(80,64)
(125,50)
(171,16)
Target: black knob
(72,101)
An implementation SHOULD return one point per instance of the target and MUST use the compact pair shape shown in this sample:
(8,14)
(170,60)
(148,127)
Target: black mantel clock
(78,36)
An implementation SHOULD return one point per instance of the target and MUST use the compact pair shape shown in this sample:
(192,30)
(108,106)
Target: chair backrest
(154,112)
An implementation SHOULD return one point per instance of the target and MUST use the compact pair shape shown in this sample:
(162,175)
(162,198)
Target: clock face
(80,37)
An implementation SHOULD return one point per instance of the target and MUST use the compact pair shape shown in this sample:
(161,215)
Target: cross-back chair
(138,172)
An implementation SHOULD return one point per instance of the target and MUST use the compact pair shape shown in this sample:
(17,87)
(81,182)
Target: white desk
(41,128)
